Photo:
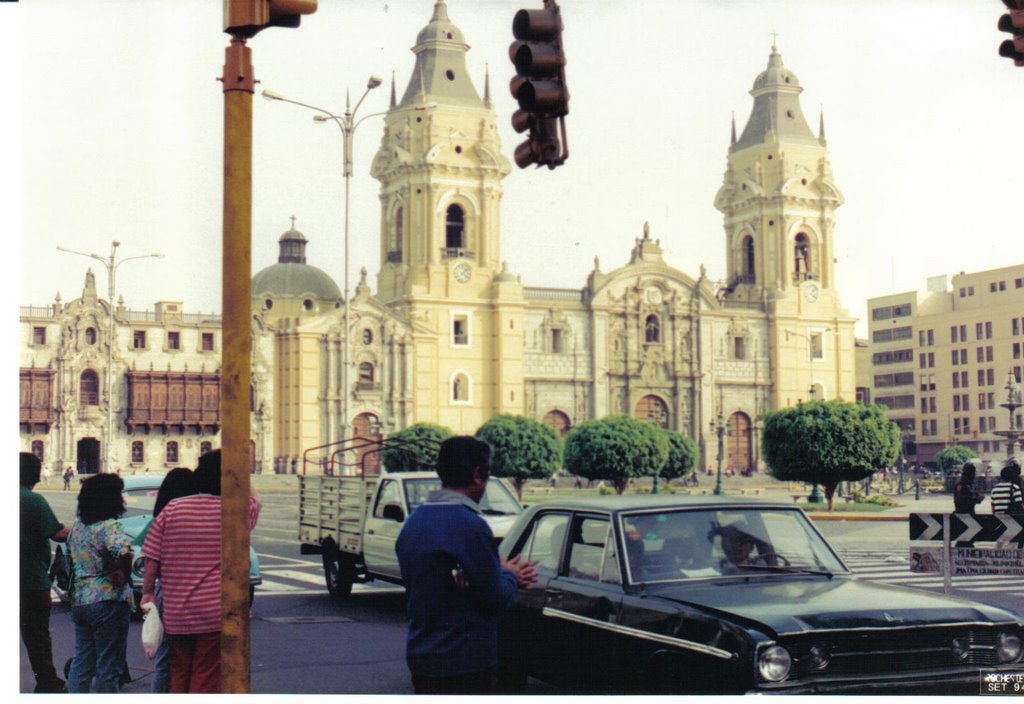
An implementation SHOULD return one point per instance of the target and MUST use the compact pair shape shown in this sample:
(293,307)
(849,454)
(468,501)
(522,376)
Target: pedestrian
(101,594)
(965,496)
(1006,494)
(179,482)
(39,526)
(182,551)
(456,586)
(68,476)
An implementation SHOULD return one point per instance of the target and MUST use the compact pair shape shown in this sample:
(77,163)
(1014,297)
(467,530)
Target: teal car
(139,497)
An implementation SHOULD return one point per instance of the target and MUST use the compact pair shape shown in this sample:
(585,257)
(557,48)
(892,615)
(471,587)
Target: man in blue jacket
(456,586)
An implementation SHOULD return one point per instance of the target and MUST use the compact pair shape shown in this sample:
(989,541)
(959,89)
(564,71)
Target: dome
(776,74)
(292,277)
(294,280)
(440,28)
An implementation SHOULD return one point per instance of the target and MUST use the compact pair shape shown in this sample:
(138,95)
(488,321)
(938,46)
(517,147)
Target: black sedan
(660,593)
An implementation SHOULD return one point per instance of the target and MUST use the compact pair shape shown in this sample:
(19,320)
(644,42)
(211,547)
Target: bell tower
(440,169)
(779,200)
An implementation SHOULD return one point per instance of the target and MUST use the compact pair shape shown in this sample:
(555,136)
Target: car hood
(787,605)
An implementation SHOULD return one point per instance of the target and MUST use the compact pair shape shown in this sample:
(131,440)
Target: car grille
(897,651)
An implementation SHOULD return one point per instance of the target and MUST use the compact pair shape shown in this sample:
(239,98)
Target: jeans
(162,663)
(101,638)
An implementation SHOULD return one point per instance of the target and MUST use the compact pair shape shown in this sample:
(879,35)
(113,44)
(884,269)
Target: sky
(121,135)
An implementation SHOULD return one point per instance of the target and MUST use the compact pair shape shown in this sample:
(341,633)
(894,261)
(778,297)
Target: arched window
(172,452)
(395,253)
(204,447)
(653,410)
(652,329)
(89,388)
(801,257)
(365,374)
(455,228)
(90,336)
(460,388)
(138,452)
(37,449)
(749,274)
(557,421)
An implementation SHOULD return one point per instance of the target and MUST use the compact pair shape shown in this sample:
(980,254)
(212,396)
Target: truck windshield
(497,499)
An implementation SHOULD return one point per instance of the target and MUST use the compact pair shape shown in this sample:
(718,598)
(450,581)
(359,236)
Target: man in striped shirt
(1006,495)
(182,549)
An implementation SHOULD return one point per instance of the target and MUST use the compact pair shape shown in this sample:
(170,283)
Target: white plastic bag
(152,630)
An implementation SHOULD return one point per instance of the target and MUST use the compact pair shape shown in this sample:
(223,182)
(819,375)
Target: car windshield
(686,544)
(139,502)
(496,500)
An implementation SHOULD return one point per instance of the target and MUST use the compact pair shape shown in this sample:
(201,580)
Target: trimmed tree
(955,456)
(615,449)
(827,442)
(523,449)
(682,456)
(414,448)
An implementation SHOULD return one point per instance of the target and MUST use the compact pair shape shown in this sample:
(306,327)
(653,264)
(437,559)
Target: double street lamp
(348,124)
(111,265)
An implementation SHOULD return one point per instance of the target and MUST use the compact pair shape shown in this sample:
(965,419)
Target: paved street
(303,642)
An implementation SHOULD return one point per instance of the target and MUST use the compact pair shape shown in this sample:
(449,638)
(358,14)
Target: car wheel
(339,574)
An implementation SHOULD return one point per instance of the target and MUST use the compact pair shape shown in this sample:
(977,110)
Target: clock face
(463,273)
(811,292)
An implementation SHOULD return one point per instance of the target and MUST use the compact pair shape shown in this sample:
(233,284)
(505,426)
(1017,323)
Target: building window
(652,329)
(739,348)
(172,452)
(174,340)
(395,251)
(460,330)
(366,373)
(801,258)
(748,260)
(367,336)
(39,335)
(557,343)
(204,447)
(37,449)
(138,339)
(455,228)
(90,336)
(207,342)
(138,452)
(817,346)
(460,388)
(89,388)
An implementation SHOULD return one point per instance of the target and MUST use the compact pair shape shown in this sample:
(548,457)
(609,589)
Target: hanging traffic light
(539,86)
(1013,22)
(247,17)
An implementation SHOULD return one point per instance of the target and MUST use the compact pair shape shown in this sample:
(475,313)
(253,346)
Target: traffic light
(247,17)
(539,86)
(1013,22)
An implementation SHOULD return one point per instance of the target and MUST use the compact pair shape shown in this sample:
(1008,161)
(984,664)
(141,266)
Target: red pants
(195,663)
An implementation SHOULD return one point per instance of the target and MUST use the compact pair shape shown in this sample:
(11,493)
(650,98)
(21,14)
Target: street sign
(963,527)
(969,561)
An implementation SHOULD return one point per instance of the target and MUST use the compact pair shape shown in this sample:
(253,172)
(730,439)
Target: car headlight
(773,663)
(1007,647)
(139,566)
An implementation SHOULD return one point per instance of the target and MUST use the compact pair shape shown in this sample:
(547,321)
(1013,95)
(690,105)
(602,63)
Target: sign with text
(969,561)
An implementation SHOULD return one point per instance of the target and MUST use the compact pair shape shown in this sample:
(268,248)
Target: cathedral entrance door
(88,456)
(366,425)
(739,455)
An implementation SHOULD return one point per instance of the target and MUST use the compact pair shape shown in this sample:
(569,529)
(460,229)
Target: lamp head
(373,82)
(271,95)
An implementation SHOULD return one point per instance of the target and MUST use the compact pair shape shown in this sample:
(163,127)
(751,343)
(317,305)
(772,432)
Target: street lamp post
(111,265)
(815,497)
(347,123)
(719,428)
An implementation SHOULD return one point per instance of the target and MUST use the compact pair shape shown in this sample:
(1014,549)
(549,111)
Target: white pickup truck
(354,521)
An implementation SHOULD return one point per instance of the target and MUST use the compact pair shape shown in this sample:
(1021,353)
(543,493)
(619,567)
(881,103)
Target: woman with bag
(101,558)
(179,482)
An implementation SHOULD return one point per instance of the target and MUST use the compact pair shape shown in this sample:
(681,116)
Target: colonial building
(941,358)
(451,336)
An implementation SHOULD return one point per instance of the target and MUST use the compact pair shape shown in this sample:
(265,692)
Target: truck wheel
(339,574)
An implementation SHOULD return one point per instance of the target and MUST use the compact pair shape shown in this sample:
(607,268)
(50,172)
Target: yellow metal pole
(236,369)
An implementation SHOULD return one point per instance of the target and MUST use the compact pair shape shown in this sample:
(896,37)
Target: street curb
(854,517)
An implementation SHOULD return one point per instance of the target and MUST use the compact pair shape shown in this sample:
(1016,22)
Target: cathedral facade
(452,337)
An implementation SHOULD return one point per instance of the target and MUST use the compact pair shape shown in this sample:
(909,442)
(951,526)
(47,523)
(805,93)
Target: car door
(582,605)
(381,530)
(524,627)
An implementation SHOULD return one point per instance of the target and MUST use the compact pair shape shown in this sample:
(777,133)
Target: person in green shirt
(38,527)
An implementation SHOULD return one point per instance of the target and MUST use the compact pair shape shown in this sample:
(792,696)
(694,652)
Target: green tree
(523,449)
(615,449)
(414,448)
(682,456)
(955,456)
(827,442)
